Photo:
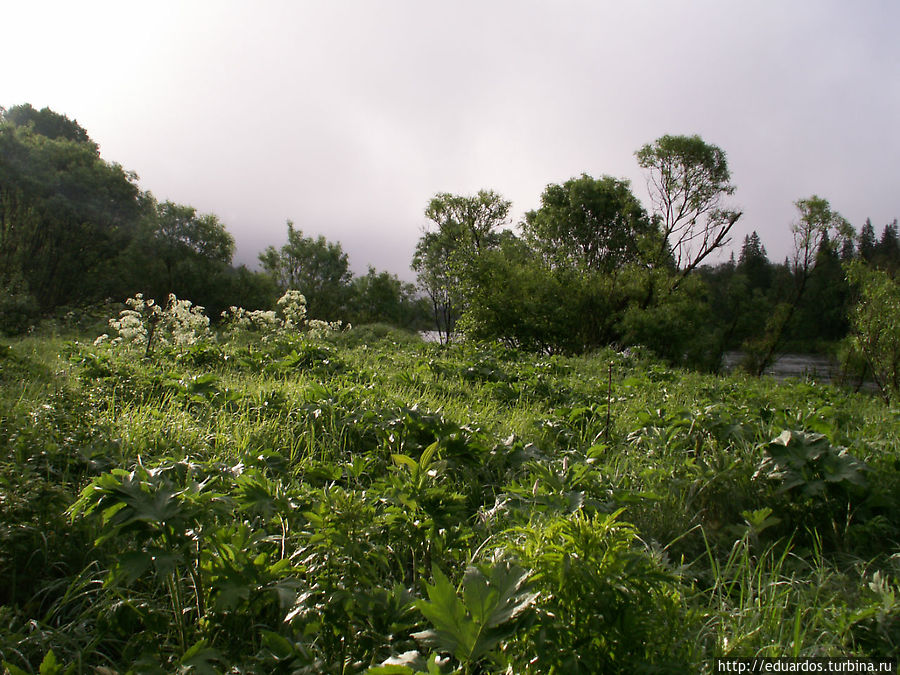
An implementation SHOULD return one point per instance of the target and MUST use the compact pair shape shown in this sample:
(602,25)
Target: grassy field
(369,502)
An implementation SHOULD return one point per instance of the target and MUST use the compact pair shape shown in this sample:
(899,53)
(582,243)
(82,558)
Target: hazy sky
(348,116)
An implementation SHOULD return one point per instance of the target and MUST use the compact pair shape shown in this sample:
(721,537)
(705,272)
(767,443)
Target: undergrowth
(373,503)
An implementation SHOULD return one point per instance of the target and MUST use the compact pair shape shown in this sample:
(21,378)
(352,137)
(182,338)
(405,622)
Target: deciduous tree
(816,226)
(466,226)
(688,180)
(595,223)
(65,214)
(316,267)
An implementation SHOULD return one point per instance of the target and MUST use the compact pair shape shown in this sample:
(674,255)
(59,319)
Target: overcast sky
(348,116)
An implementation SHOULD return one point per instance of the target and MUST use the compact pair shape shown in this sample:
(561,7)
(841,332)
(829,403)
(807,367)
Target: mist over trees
(77,230)
(590,267)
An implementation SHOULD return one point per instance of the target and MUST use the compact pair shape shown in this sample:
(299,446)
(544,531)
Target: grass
(289,507)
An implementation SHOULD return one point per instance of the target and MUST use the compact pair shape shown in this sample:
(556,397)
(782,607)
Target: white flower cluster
(290,318)
(238,320)
(320,329)
(181,324)
(293,307)
(146,323)
(186,321)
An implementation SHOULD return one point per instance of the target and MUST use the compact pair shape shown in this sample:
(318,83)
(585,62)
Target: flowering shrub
(238,320)
(187,322)
(293,308)
(182,324)
(288,319)
(320,329)
(146,324)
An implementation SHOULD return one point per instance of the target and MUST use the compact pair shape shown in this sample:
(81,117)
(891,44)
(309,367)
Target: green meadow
(362,501)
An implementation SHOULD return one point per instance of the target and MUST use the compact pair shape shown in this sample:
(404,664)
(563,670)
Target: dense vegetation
(590,268)
(268,490)
(287,497)
(76,230)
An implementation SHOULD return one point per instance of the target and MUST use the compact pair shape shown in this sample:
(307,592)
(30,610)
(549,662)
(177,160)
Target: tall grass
(283,507)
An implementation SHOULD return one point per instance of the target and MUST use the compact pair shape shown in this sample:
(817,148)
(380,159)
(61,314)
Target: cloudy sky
(347,116)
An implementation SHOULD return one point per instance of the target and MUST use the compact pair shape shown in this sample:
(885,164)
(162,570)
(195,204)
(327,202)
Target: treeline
(593,267)
(77,230)
(590,267)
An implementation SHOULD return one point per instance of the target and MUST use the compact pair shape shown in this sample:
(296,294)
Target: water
(804,366)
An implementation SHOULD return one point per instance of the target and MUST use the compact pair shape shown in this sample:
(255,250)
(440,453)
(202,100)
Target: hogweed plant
(293,309)
(288,319)
(146,324)
(238,321)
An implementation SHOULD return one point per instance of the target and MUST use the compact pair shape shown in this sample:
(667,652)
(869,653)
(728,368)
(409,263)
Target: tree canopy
(466,226)
(596,223)
(688,179)
(65,214)
(316,267)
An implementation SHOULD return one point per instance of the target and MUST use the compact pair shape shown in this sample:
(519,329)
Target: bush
(874,321)
(18,308)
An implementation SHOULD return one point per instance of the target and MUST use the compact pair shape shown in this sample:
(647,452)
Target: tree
(181,228)
(466,226)
(867,241)
(48,123)
(516,298)
(736,306)
(316,267)
(825,304)
(687,179)
(874,325)
(66,216)
(886,254)
(817,225)
(382,297)
(180,251)
(435,276)
(754,263)
(593,223)
(472,221)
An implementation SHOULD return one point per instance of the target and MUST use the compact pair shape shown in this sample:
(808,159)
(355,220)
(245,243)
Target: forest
(212,469)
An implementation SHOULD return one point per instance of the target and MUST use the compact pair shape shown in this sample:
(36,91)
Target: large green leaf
(493,598)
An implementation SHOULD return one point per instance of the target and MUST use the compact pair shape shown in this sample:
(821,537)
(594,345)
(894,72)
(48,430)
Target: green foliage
(18,308)
(874,326)
(66,214)
(76,229)
(374,333)
(466,228)
(312,505)
(675,327)
(817,224)
(319,269)
(48,123)
(688,178)
(591,223)
(528,305)
(604,601)
(382,297)
(492,604)
(179,251)
(809,465)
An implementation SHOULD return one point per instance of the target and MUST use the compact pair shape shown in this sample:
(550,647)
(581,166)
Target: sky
(347,116)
